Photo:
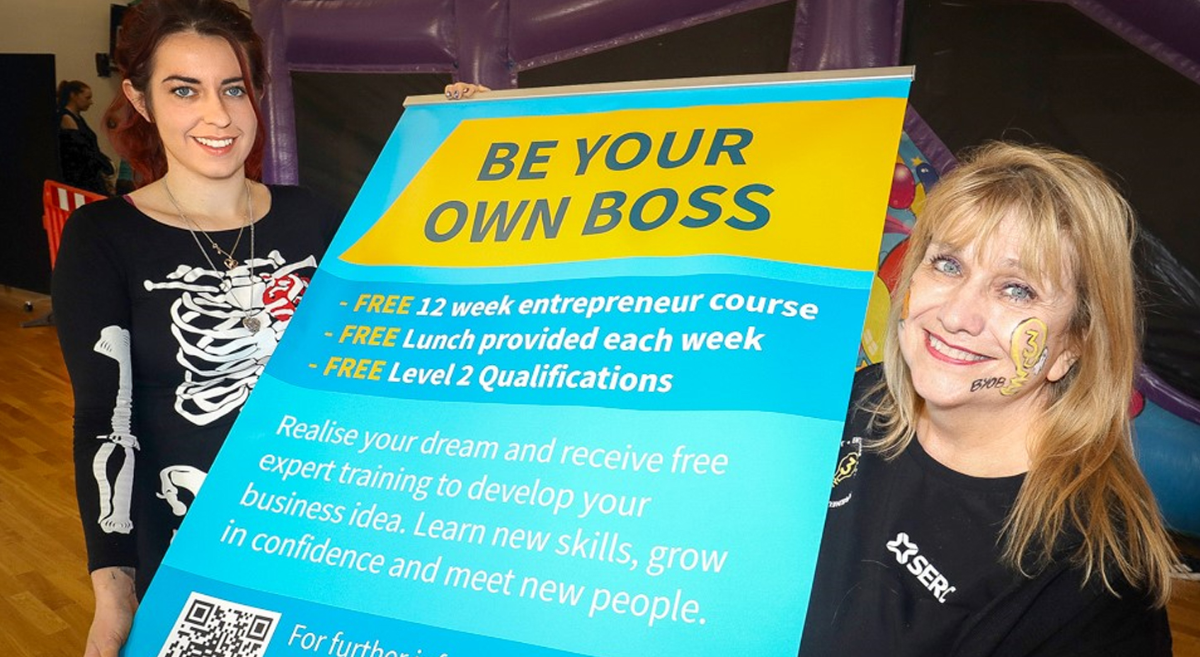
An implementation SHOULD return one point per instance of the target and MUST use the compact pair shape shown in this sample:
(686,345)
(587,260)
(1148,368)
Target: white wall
(73,31)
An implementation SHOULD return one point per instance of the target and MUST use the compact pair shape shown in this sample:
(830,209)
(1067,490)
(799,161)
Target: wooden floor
(45,595)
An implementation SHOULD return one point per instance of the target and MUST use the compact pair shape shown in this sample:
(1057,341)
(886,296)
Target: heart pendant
(252,324)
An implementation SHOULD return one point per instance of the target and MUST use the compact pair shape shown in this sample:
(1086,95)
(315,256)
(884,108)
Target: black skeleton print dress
(161,360)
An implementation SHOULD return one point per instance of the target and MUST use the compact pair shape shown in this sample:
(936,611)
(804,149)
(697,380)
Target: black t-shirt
(160,359)
(910,566)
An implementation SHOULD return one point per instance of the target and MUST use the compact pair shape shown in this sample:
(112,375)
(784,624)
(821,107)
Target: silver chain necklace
(230,261)
(249,321)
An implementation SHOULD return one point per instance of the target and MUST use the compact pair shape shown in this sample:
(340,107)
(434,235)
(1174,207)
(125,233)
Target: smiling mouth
(952,354)
(215,143)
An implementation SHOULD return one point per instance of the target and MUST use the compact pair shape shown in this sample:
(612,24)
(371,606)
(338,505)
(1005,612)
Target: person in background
(83,164)
(124,184)
(987,500)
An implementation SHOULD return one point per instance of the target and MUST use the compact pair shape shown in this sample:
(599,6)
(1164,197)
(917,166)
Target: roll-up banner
(571,380)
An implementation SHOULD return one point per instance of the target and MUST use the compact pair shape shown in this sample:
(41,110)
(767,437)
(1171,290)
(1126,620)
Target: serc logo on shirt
(907,555)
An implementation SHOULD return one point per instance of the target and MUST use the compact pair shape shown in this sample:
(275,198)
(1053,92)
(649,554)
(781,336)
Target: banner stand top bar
(882,73)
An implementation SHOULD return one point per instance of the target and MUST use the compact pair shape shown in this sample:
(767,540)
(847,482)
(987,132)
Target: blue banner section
(561,527)
(641,343)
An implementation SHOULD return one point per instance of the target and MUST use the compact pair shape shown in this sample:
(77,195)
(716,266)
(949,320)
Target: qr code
(212,627)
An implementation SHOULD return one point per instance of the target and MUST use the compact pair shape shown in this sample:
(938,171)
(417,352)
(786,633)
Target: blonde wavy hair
(1083,479)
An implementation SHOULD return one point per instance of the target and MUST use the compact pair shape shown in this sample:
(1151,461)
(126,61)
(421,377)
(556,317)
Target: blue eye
(1019,292)
(946,265)
(236,92)
(183,92)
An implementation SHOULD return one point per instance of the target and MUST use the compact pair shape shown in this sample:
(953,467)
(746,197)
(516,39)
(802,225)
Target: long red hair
(142,30)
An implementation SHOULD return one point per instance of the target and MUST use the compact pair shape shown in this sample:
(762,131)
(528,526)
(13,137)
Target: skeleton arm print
(92,309)
(116,498)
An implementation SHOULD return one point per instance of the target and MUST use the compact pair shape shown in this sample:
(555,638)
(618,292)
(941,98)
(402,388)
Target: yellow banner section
(802,182)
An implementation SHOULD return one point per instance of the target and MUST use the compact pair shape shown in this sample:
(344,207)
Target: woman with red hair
(170,300)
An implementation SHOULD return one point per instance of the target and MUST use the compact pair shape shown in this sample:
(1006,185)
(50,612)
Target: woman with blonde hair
(987,501)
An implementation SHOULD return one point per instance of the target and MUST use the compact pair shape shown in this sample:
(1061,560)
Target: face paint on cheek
(988,383)
(1028,351)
